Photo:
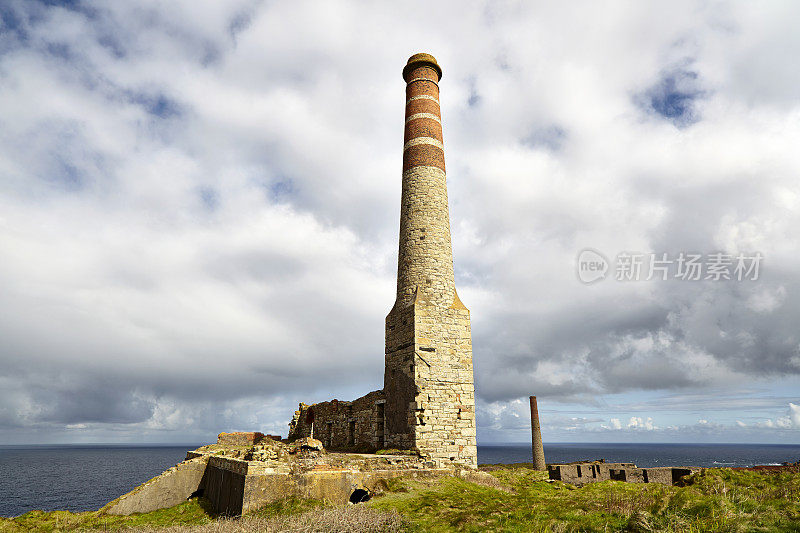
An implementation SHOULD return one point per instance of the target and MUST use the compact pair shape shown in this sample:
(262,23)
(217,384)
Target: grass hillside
(518,499)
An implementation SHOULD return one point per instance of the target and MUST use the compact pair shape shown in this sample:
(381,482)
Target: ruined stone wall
(344,426)
(582,473)
(399,379)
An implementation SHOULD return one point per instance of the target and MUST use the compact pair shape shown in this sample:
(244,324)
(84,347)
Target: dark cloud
(89,400)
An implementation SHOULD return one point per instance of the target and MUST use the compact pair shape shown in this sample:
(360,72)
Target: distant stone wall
(343,426)
(582,473)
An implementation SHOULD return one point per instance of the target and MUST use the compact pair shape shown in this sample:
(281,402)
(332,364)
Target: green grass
(715,500)
(394,451)
(192,512)
(290,506)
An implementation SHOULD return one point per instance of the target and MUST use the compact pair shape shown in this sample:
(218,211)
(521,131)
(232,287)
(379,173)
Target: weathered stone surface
(344,426)
(170,488)
(243,438)
(308,443)
(661,475)
(236,479)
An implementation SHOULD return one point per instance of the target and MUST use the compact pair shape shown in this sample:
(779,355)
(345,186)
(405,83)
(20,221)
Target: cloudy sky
(199,210)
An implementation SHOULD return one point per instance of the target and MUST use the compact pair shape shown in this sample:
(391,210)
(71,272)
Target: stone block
(635,475)
(662,475)
(240,438)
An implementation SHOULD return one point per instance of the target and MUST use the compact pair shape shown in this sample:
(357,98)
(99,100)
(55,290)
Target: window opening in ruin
(379,432)
(351,434)
(359,496)
(329,440)
(617,475)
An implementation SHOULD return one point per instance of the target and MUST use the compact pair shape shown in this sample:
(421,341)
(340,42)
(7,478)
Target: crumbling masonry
(428,399)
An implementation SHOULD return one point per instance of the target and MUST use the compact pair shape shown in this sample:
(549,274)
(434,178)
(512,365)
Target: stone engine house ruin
(428,399)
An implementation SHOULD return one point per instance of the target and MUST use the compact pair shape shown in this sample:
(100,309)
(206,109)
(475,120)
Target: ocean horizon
(84,477)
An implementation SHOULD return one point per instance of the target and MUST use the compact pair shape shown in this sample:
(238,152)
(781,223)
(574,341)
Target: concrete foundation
(172,487)
(246,478)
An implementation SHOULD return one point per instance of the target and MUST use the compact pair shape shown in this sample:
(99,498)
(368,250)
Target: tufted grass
(192,512)
(714,500)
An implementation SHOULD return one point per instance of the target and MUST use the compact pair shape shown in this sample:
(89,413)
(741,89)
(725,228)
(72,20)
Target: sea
(86,477)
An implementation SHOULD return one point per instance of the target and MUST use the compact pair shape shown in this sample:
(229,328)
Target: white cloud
(767,301)
(794,413)
(637,422)
(199,203)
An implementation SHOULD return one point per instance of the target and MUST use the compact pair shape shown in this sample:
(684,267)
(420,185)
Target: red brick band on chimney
(422,104)
(423,114)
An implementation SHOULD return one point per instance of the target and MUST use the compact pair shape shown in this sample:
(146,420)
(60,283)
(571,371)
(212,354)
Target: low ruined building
(580,473)
(428,399)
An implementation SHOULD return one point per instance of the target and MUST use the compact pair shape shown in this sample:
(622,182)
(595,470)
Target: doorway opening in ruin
(351,433)
(359,496)
(379,431)
(310,422)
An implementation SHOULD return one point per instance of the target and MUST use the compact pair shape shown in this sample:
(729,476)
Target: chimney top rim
(421,60)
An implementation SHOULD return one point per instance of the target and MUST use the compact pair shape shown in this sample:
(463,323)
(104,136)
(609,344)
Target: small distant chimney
(536,437)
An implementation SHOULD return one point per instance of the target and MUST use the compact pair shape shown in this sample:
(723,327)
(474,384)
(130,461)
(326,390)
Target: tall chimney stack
(536,437)
(425,261)
(428,381)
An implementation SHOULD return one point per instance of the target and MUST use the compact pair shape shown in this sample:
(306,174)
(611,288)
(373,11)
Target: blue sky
(199,207)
